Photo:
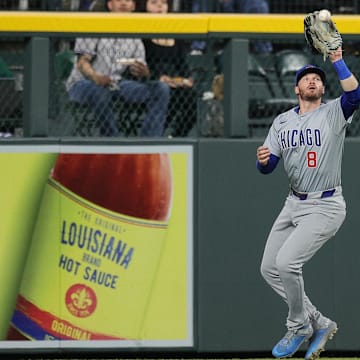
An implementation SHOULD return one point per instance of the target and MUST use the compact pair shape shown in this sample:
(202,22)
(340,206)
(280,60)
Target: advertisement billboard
(97,246)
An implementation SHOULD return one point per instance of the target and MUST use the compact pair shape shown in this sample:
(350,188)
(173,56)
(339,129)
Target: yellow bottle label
(89,272)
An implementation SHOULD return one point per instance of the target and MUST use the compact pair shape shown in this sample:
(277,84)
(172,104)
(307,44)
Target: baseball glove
(321,36)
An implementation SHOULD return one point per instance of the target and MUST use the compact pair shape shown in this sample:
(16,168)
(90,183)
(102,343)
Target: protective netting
(11,85)
(189,111)
(162,104)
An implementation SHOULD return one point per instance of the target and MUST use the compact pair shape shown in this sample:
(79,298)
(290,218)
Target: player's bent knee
(266,272)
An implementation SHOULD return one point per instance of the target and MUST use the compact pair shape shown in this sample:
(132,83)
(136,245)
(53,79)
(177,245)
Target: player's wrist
(341,69)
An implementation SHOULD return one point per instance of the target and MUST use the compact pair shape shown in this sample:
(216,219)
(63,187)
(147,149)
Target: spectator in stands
(81,5)
(250,7)
(245,6)
(99,73)
(207,6)
(168,63)
(91,5)
(231,6)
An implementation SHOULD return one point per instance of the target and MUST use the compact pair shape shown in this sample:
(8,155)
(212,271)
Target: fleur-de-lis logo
(80,300)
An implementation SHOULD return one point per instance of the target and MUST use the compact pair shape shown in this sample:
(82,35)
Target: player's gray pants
(301,229)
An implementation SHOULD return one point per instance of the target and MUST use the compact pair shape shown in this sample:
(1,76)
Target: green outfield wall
(237,311)
(234,310)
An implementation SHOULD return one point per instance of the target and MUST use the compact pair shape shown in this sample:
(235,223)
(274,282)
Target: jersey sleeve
(350,101)
(272,142)
(336,117)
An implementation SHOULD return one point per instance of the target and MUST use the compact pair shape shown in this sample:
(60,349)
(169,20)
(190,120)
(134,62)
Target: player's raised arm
(322,35)
(347,79)
(350,99)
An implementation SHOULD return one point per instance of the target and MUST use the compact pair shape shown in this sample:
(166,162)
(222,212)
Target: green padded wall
(237,310)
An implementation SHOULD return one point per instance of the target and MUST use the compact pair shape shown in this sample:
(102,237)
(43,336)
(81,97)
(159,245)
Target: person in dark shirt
(167,62)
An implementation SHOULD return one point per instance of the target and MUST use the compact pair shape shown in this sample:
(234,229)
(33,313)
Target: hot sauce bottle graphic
(96,246)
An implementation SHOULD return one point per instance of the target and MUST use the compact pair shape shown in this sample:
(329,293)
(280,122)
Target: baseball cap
(310,69)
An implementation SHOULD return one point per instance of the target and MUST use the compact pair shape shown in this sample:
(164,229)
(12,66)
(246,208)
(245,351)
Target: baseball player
(310,139)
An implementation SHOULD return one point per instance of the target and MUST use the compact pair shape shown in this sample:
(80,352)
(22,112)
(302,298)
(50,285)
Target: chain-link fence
(128,105)
(272,80)
(194,106)
(11,85)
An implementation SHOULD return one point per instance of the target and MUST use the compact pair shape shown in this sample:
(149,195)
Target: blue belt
(304,196)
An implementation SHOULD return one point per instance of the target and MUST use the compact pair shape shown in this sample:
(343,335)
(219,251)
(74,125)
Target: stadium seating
(287,63)
(265,99)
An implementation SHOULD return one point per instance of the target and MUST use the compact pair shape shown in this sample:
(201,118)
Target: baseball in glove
(321,33)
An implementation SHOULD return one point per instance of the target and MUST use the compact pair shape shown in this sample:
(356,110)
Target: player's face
(121,5)
(157,6)
(310,87)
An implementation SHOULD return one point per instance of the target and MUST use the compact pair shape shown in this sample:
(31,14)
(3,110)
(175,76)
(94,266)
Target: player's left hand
(263,155)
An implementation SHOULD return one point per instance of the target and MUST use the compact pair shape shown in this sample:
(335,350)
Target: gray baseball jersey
(311,146)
